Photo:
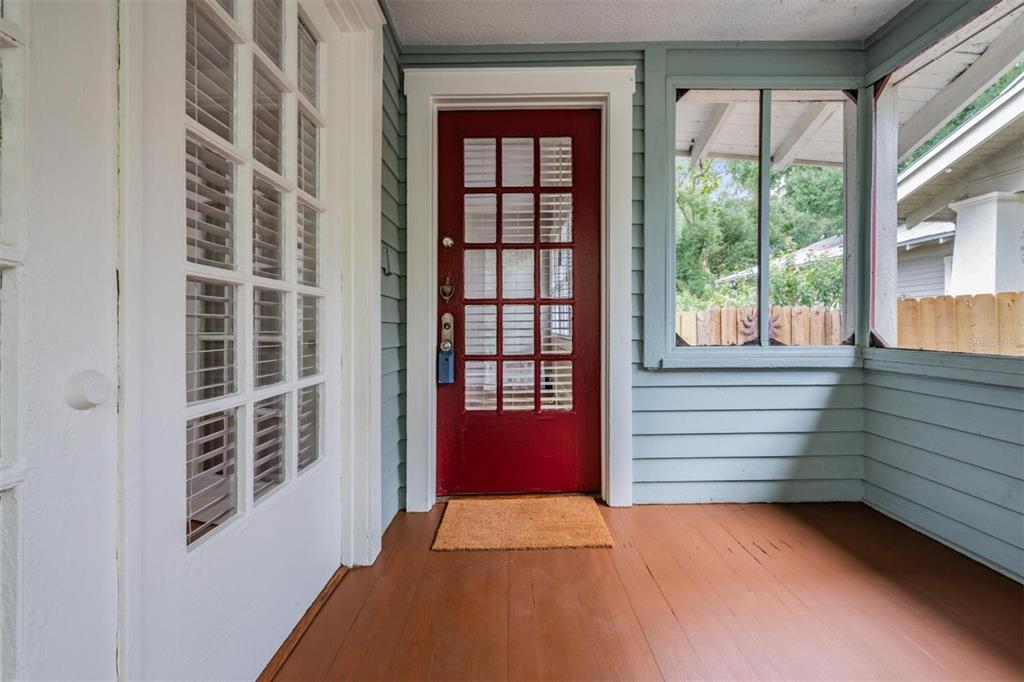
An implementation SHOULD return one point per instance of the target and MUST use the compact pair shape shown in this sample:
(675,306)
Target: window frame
(659,347)
(241,275)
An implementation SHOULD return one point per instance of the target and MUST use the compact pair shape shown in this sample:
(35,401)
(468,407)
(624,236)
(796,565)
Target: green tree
(716,233)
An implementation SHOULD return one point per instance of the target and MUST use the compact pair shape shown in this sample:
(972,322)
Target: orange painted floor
(810,591)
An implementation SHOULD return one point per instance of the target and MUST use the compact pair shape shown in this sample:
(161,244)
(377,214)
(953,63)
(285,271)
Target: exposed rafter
(810,122)
(702,145)
(1003,53)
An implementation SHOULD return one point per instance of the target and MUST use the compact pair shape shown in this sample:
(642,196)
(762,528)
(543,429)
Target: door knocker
(447,290)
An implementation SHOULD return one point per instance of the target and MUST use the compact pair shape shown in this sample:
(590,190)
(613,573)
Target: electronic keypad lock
(446,351)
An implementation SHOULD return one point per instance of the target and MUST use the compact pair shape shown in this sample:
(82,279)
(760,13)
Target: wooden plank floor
(809,591)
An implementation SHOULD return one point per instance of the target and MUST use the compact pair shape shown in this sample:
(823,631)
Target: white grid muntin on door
(516,273)
(253,249)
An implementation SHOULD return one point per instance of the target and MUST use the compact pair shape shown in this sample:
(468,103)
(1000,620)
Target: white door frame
(431,90)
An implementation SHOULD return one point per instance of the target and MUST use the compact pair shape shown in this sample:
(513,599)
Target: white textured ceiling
(510,22)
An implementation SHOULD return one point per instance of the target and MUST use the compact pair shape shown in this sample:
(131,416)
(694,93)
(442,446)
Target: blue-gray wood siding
(947,457)
(393,319)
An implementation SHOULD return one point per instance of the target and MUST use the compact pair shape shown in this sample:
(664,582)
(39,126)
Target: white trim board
(431,90)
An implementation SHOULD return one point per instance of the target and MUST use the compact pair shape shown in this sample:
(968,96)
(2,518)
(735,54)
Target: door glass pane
(268,445)
(517,273)
(556,273)
(481,329)
(517,218)
(210,472)
(209,339)
(556,329)
(517,330)
(556,161)
(556,385)
(517,385)
(481,216)
(517,162)
(268,336)
(480,273)
(481,385)
(556,217)
(309,425)
(308,328)
(480,162)
(267,230)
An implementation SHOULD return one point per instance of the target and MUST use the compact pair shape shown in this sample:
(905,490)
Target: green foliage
(980,102)
(716,234)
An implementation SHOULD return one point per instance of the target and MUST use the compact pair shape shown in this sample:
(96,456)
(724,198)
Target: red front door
(519,221)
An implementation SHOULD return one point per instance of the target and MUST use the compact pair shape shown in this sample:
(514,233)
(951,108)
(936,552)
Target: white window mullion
(244,211)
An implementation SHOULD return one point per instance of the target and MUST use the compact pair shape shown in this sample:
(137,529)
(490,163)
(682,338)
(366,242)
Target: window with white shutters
(266,122)
(268,22)
(209,73)
(253,289)
(308,63)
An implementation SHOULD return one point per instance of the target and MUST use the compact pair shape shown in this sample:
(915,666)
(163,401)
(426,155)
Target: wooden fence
(789,325)
(984,323)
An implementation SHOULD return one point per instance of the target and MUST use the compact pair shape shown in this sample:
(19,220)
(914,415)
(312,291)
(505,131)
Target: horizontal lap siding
(947,456)
(393,300)
(747,435)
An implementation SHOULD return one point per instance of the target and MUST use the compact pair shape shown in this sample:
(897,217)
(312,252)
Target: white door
(58,339)
(233,345)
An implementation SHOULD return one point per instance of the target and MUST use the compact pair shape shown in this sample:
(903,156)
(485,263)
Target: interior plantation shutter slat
(308,135)
(309,425)
(211,482)
(267,242)
(308,245)
(267,23)
(266,122)
(209,194)
(209,339)
(209,74)
(308,63)
(308,327)
(268,444)
(268,336)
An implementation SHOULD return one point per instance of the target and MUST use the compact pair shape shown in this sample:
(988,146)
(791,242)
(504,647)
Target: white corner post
(886,138)
(360,58)
(430,90)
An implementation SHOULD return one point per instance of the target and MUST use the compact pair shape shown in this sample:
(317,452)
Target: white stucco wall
(989,253)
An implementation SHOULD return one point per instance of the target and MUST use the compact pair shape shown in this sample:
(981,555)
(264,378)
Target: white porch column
(885,252)
(988,254)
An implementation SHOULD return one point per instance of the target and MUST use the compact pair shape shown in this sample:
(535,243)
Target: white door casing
(430,90)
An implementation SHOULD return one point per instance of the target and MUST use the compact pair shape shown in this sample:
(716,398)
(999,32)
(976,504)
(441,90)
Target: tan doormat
(532,522)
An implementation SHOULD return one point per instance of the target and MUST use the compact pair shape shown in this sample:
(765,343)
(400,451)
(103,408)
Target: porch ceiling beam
(1003,53)
(702,145)
(810,122)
